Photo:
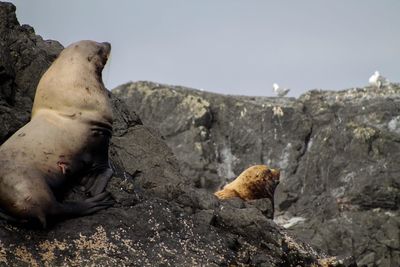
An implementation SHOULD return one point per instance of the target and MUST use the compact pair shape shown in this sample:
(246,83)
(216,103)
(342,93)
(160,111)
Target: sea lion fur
(258,181)
(64,144)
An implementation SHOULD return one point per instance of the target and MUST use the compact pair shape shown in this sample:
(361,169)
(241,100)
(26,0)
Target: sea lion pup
(65,143)
(256,182)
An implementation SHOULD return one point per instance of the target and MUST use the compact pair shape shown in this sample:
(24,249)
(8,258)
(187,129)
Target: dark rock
(264,205)
(159,218)
(338,154)
(24,58)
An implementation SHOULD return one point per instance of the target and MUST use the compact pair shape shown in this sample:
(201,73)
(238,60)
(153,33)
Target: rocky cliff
(338,152)
(159,218)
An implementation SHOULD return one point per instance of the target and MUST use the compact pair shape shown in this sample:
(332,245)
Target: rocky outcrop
(338,154)
(159,218)
(24,57)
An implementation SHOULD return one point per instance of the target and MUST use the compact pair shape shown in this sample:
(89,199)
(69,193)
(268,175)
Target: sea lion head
(73,82)
(87,55)
(261,181)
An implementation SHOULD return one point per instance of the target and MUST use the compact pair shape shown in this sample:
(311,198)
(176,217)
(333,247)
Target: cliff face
(159,218)
(338,153)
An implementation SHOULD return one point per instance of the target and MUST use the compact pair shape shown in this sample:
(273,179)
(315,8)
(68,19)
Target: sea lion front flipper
(86,207)
(7,217)
(95,183)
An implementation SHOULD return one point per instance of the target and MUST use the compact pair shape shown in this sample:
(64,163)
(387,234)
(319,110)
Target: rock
(160,218)
(338,154)
(24,58)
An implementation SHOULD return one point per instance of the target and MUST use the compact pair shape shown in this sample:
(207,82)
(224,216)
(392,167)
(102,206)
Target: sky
(236,47)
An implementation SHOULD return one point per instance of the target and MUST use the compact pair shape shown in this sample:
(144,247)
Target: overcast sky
(231,46)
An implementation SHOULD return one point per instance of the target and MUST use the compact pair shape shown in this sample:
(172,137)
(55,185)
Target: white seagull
(377,79)
(281,92)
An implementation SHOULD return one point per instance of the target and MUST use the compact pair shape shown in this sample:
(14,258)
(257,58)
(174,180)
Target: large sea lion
(64,144)
(258,181)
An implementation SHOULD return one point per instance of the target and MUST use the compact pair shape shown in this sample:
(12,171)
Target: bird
(377,79)
(281,92)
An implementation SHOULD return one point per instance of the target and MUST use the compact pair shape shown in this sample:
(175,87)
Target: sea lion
(64,144)
(256,182)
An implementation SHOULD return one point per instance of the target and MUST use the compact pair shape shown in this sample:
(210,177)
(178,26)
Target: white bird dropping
(280,92)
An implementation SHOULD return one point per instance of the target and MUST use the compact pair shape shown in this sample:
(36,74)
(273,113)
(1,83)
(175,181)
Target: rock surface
(24,56)
(338,154)
(159,218)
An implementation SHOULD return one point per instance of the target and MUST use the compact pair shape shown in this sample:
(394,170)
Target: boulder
(337,150)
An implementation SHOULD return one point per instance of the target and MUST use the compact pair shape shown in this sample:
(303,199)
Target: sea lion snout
(105,52)
(276,173)
(107,46)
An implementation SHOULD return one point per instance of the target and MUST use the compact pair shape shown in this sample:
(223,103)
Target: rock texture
(159,218)
(24,57)
(338,154)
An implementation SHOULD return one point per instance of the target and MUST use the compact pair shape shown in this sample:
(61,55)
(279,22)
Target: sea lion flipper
(104,196)
(7,217)
(86,207)
(95,183)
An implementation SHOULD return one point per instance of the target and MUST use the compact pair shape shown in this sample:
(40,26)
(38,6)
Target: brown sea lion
(256,182)
(64,144)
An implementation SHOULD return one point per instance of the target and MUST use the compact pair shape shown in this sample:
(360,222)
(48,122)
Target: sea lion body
(65,143)
(258,181)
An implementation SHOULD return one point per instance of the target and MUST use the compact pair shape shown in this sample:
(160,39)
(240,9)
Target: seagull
(281,92)
(377,79)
